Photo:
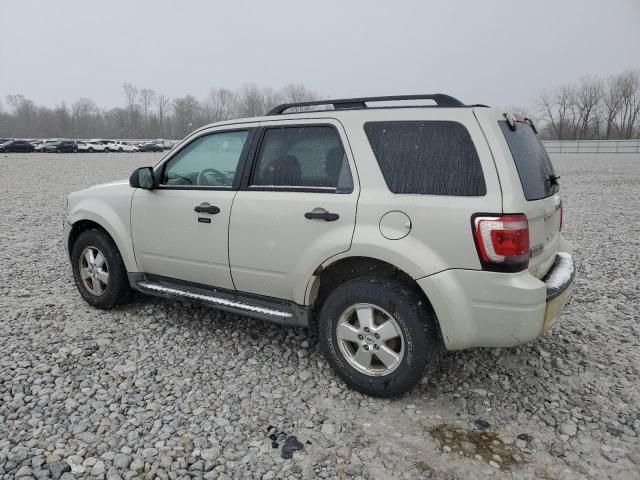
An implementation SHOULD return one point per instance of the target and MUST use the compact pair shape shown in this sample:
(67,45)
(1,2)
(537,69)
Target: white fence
(592,146)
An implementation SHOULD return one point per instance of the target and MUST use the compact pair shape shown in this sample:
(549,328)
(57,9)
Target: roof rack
(441,100)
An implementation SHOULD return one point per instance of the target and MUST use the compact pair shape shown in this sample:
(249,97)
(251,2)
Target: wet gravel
(164,390)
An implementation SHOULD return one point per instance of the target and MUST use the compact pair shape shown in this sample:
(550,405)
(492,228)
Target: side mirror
(142,178)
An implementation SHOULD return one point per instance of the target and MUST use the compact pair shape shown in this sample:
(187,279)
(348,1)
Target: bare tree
(82,112)
(588,98)
(116,122)
(186,111)
(63,121)
(131,95)
(250,101)
(555,106)
(163,103)
(24,113)
(147,96)
(630,105)
(612,99)
(219,104)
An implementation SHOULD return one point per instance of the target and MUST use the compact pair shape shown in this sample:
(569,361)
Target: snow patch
(561,272)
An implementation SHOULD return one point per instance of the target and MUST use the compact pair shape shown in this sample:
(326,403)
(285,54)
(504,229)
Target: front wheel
(98,270)
(378,335)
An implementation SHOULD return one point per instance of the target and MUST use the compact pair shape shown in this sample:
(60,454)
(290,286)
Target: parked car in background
(63,146)
(121,146)
(151,147)
(39,147)
(82,147)
(107,145)
(96,146)
(16,146)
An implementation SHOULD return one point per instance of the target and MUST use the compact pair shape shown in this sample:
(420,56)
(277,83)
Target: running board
(263,308)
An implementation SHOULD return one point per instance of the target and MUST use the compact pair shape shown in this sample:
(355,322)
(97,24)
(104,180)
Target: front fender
(111,212)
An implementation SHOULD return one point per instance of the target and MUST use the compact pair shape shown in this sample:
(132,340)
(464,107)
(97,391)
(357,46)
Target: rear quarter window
(532,161)
(427,157)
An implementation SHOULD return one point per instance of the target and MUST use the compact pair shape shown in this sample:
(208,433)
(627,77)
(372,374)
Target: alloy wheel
(94,271)
(370,339)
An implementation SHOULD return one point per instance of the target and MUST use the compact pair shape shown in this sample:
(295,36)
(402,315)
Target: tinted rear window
(532,161)
(427,157)
(307,156)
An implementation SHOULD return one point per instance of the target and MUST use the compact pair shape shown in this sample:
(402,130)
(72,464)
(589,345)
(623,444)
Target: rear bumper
(489,309)
(560,282)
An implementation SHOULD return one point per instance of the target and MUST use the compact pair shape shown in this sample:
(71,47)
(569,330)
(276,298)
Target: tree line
(144,114)
(592,108)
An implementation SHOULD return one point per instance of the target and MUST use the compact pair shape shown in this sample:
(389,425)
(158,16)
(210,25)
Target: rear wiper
(553,180)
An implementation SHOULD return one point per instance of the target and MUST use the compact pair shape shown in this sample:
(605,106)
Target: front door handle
(206,208)
(321,214)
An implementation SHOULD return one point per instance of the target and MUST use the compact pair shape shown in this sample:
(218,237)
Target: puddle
(485,446)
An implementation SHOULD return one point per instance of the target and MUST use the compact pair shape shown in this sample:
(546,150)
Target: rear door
(542,203)
(296,209)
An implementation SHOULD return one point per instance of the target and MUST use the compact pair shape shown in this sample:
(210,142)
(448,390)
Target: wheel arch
(82,226)
(330,277)
(88,223)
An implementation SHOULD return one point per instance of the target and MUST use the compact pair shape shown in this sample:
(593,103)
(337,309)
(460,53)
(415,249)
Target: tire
(415,347)
(107,150)
(91,150)
(117,289)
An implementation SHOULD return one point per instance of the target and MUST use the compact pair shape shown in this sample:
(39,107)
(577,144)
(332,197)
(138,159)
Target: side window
(306,157)
(209,161)
(427,157)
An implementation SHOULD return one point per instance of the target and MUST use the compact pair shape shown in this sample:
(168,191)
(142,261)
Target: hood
(108,194)
(117,187)
(113,183)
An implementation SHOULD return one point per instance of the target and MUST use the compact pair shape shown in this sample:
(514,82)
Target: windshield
(537,176)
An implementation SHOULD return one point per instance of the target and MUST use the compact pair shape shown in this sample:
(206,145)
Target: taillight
(502,242)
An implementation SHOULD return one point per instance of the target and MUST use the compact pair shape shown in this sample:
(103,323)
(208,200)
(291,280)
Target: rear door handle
(206,208)
(321,214)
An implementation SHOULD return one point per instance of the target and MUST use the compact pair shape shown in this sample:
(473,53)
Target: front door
(297,210)
(180,229)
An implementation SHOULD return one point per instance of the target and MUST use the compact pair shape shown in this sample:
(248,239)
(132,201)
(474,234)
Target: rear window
(532,161)
(427,157)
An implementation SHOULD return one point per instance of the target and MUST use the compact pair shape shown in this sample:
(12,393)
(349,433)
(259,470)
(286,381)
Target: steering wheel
(203,178)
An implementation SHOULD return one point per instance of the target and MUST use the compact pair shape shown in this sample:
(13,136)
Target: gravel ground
(162,390)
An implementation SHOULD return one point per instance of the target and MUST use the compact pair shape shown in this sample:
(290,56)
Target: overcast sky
(494,52)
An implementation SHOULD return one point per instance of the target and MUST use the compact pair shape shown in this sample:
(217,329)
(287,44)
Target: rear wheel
(98,270)
(378,335)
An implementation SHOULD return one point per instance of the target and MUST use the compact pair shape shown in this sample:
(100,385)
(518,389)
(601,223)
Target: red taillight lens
(502,242)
